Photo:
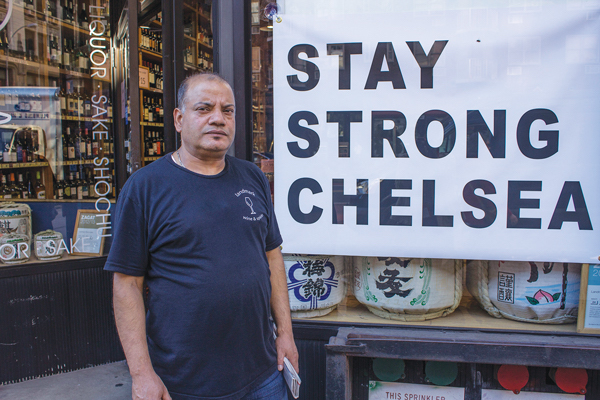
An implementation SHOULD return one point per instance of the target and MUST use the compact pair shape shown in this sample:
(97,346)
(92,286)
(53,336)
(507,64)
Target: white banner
(410,391)
(435,130)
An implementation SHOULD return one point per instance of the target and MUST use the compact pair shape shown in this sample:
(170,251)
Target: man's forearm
(130,318)
(280,303)
(280,306)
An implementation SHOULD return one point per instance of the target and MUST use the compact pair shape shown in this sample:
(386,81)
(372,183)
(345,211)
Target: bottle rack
(52,48)
(198,41)
(151,98)
(198,56)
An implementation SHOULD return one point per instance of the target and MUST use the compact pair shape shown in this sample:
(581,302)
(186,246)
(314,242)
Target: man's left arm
(280,306)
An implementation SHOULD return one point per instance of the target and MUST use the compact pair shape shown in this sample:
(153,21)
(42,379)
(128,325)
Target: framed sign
(588,319)
(87,236)
(144,78)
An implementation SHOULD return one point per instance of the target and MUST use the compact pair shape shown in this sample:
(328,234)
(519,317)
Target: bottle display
(55,68)
(197,56)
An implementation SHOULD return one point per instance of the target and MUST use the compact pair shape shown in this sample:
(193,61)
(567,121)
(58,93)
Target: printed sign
(435,130)
(144,78)
(409,391)
(90,231)
(592,309)
(488,394)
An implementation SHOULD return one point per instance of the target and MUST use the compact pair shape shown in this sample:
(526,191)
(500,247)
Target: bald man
(198,228)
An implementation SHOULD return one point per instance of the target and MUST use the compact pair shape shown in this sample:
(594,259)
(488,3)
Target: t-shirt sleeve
(274,238)
(129,250)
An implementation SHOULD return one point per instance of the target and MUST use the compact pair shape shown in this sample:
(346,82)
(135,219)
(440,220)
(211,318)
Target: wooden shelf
(205,45)
(151,124)
(34,260)
(113,201)
(154,158)
(154,54)
(202,16)
(189,38)
(152,90)
(80,162)
(467,315)
(185,5)
(47,69)
(24,165)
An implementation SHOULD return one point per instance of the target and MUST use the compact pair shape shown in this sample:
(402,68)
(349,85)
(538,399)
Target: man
(198,227)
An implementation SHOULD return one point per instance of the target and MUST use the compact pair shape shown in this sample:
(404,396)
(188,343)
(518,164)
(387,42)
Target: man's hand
(286,347)
(148,387)
(280,305)
(130,318)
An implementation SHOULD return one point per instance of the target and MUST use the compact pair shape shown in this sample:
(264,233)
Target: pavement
(105,382)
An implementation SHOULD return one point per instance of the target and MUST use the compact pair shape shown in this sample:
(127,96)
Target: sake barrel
(316,284)
(540,292)
(408,289)
(47,245)
(15,218)
(14,248)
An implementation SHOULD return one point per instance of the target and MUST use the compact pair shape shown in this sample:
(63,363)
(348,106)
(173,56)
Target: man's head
(206,115)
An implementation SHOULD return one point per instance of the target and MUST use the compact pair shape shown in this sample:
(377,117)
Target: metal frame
(465,346)
(232,60)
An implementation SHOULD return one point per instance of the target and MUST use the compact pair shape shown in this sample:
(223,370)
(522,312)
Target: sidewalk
(105,382)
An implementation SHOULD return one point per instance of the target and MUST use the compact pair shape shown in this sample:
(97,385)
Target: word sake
(21,250)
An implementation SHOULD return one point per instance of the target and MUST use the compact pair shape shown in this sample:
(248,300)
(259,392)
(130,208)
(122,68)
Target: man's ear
(177,117)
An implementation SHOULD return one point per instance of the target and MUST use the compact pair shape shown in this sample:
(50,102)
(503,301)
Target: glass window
(197,56)
(56,130)
(512,295)
(151,89)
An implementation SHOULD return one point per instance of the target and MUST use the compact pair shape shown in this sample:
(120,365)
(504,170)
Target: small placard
(488,394)
(410,391)
(144,78)
(91,228)
(588,319)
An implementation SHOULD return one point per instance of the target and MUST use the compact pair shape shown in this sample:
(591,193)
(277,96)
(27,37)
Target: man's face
(208,125)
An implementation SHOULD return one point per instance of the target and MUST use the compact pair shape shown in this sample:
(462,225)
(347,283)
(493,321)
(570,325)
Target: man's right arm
(130,317)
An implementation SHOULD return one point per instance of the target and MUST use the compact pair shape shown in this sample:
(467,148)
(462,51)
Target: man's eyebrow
(205,103)
(229,105)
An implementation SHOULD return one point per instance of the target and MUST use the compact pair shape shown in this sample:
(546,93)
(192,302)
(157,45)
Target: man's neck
(201,165)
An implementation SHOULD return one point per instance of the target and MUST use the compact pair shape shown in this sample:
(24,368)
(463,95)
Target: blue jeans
(273,388)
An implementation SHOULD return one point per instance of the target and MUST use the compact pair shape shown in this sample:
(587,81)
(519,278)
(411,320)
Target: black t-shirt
(200,242)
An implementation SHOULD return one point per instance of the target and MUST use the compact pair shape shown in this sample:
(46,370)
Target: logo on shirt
(251,214)
(249,203)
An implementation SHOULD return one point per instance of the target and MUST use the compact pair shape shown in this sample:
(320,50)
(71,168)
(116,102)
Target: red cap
(513,377)
(571,380)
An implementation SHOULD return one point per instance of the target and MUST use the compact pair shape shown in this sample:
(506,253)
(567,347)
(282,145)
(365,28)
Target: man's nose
(217,117)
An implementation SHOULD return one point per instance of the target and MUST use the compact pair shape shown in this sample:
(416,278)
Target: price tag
(144,78)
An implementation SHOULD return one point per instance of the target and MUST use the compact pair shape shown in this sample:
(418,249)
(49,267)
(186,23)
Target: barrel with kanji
(408,289)
(316,284)
(540,292)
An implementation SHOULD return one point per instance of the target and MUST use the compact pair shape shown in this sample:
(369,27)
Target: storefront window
(404,143)
(197,57)
(56,130)
(262,88)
